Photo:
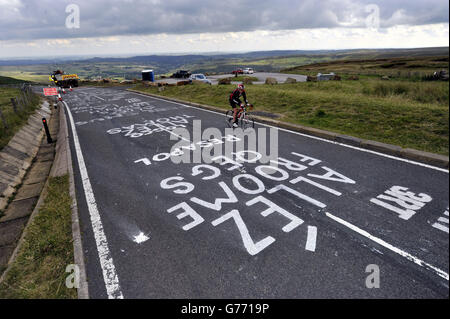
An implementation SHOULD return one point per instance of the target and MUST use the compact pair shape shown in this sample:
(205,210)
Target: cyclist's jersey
(235,96)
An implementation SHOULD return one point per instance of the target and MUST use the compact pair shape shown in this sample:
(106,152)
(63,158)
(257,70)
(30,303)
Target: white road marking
(379,241)
(313,137)
(109,270)
(307,180)
(396,250)
(402,213)
(252,247)
(311,240)
(145,160)
(168,131)
(141,238)
(443,220)
(440,227)
(296,193)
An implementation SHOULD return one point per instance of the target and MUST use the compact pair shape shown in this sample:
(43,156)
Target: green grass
(14,120)
(39,269)
(25,76)
(241,78)
(8,80)
(409,114)
(401,68)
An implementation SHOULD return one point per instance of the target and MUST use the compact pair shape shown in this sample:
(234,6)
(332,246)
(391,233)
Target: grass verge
(39,269)
(408,114)
(14,120)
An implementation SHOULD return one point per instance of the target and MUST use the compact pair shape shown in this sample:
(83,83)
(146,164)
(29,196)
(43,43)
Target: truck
(181,74)
(64,80)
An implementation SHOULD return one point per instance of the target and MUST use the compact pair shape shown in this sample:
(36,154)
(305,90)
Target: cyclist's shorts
(233,104)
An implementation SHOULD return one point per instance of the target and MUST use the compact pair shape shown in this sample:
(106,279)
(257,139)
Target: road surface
(327,221)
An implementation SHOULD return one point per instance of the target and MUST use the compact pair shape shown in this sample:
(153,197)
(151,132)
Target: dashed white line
(109,271)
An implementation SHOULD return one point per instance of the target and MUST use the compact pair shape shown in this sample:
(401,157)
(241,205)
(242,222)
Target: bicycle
(243,118)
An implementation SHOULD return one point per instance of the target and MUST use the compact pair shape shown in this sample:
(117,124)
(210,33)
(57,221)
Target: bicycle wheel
(229,118)
(247,121)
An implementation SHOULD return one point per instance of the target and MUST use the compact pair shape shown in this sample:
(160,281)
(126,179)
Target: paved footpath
(327,221)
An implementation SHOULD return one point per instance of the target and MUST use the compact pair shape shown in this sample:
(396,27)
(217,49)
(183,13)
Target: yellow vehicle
(64,80)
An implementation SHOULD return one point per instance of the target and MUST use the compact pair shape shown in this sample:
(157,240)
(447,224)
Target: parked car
(200,77)
(248,71)
(238,71)
(181,74)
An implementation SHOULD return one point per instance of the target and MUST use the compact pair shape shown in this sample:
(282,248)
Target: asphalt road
(322,224)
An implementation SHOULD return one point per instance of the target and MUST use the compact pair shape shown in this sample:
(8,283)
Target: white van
(248,71)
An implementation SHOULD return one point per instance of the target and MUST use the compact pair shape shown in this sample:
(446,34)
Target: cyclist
(235,101)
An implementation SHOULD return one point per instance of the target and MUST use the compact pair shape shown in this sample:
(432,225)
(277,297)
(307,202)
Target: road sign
(50,91)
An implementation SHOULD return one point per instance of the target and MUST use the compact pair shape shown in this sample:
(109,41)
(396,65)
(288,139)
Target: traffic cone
(64,91)
(59,97)
(70,88)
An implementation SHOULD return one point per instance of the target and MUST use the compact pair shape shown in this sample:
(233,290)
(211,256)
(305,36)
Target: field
(404,110)
(7,81)
(410,68)
(24,75)
(401,112)
(268,61)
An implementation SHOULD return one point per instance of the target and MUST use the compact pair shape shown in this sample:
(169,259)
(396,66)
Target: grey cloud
(41,19)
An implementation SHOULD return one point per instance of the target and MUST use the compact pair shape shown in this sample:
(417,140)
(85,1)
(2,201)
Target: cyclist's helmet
(241,87)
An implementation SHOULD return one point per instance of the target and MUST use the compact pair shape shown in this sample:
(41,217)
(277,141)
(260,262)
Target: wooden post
(20,101)
(3,119)
(24,96)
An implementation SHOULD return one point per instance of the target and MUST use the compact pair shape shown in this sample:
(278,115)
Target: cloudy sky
(106,27)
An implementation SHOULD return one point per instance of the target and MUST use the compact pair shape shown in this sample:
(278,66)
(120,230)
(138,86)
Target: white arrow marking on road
(109,270)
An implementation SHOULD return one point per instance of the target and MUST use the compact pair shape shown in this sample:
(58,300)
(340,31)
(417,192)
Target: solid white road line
(396,250)
(313,137)
(109,271)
